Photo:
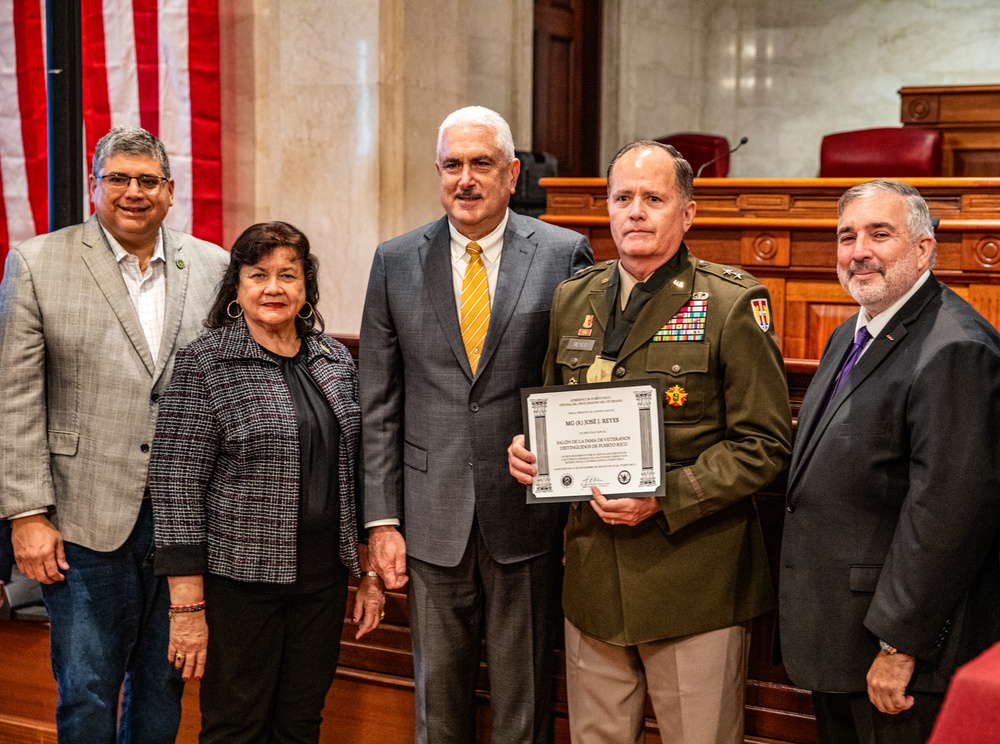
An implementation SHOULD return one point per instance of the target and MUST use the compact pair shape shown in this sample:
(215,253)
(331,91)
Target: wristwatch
(887,648)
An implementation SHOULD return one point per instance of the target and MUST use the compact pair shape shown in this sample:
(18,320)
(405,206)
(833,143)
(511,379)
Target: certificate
(606,434)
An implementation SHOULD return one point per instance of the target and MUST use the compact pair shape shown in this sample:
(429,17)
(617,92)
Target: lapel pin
(179,263)
(889,337)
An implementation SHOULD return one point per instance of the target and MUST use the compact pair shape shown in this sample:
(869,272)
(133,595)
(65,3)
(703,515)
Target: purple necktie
(861,339)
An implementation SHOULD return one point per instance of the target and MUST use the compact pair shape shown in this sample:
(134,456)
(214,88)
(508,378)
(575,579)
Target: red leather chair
(699,149)
(887,152)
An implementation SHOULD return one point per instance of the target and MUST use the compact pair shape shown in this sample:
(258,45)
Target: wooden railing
(783,232)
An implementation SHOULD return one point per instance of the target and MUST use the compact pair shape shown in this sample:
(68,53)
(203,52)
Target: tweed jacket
(224,473)
(698,564)
(79,384)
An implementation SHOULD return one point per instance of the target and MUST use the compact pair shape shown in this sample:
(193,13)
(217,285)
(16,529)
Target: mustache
(865,265)
(469,193)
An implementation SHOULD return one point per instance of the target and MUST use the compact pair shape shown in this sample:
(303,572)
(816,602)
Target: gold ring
(179,657)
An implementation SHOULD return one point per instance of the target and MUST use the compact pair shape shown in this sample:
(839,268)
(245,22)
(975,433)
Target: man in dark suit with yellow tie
(455,322)
(889,571)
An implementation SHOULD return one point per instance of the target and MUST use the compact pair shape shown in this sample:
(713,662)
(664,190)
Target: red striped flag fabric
(150,63)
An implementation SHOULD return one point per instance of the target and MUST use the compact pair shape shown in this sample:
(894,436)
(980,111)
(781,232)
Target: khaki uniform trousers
(697,685)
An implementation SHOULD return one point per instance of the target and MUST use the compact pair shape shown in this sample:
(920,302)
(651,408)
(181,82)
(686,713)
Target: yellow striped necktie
(474,317)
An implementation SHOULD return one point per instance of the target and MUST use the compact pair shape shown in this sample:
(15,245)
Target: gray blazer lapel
(102,265)
(435,259)
(515,260)
(177,284)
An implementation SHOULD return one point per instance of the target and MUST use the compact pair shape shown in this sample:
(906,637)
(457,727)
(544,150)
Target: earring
(306,317)
(229,310)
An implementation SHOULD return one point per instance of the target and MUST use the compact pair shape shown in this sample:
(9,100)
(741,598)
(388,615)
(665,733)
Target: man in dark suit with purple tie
(889,570)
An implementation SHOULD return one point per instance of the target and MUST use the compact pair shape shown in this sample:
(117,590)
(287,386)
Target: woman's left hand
(369,604)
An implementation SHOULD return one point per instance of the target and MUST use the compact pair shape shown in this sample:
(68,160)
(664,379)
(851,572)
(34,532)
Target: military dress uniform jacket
(699,564)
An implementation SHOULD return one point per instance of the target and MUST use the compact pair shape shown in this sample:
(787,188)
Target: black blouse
(317,558)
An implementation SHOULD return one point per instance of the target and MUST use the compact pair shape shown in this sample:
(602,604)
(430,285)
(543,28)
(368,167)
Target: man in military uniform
(658,593)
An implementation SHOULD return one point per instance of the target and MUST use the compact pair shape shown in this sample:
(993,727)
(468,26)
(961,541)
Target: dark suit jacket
(435,436)
(894,501)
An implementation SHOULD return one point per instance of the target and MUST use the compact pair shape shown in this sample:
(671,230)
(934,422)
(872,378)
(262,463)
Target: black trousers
(271,661)
(850,718)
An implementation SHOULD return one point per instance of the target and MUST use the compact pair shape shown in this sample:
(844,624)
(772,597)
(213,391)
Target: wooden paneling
(783,231)
(969,118)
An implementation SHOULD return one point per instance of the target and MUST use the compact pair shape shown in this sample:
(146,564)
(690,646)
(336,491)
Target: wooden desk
(783,231)
(968,116)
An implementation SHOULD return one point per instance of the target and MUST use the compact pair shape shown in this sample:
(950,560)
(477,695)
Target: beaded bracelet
(181,609)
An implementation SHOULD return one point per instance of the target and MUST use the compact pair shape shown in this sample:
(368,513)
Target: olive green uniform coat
(699,564)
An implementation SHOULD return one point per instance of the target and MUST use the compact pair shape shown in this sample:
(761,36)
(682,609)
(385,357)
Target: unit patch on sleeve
(761,313)
(689,322)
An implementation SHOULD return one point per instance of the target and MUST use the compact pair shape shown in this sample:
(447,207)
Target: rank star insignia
(676,396)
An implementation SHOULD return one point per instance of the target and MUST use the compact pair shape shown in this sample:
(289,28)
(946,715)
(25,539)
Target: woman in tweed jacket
(257,512)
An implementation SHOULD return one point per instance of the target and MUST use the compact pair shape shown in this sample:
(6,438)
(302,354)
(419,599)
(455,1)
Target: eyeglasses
(119,182)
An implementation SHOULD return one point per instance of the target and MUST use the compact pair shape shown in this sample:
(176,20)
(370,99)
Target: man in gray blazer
(439,405)
(889,571)
(90,318)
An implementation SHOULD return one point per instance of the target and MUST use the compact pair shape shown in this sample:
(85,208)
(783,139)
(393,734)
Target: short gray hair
(683,172)
(136,141)
(918,217)
(484,117)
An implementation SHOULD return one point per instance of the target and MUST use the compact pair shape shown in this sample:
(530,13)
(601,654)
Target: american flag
(151,63)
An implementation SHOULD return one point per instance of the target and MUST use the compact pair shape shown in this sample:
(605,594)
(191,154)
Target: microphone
(743,141)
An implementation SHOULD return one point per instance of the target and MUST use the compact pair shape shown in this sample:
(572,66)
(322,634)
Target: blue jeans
(109,627)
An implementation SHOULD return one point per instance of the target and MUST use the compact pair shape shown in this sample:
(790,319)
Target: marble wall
(330,116)
(786,73)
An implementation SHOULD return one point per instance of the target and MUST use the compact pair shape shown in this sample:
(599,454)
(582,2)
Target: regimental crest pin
(676,396)
(761,313)
(588,322)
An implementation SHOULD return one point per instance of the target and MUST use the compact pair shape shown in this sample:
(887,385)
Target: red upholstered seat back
(887,152)
(699,149)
